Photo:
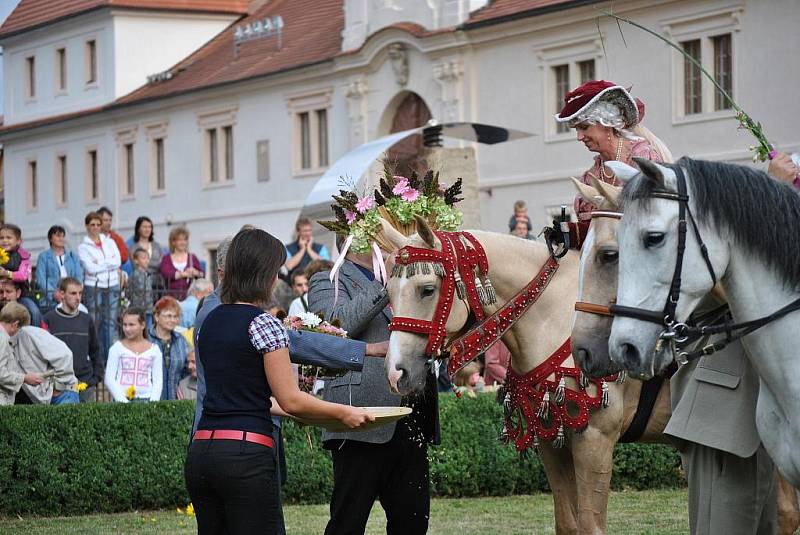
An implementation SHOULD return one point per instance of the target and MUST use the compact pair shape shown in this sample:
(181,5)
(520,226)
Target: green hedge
(77,459)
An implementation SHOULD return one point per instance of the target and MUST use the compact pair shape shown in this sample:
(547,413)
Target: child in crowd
(520,214)
(38,352)
(468,379)
(141,285)
(18,266)
(134,370)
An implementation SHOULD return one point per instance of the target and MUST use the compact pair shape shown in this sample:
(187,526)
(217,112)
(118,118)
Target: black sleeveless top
(232,343)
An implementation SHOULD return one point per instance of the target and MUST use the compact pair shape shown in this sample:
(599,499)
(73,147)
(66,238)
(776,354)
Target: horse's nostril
(584,356)
(630,356)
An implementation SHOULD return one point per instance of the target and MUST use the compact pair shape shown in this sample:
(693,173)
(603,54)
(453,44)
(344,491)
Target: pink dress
(630,149)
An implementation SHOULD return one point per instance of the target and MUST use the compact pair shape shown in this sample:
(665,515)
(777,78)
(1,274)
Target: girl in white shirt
(134,362)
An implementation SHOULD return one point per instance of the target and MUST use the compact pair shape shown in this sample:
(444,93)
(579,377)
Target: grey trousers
(728,494)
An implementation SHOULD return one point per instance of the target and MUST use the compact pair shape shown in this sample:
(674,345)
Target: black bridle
(680,334)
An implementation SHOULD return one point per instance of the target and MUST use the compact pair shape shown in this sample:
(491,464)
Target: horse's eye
(427,291)
(653,239)
(609,256)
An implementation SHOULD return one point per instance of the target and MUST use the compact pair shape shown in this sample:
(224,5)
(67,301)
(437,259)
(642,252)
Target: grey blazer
(714,403)
(363,310)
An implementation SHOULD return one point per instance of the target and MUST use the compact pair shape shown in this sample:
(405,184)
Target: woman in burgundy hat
(607,120)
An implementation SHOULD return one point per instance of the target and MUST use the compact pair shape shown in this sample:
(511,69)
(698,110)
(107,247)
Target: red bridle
(461,264)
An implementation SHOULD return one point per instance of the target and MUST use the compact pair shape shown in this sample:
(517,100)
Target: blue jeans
(65,398)
(103,306)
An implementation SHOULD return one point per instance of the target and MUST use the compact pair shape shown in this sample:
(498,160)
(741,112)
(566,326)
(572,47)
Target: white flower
(309,319)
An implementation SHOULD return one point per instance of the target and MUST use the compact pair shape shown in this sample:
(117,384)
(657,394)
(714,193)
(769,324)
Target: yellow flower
(81,387)
(189,511)
(4,258)
(131,393)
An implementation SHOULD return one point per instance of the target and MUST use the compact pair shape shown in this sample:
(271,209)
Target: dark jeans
(396,473)
(234,487)
(103,307)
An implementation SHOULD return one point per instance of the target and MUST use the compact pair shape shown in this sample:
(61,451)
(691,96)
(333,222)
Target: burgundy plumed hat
(580,99)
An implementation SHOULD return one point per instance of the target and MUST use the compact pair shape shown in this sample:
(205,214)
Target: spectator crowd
(114,320)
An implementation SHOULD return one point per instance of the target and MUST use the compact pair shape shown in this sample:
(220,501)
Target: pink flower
(410,195)
(401,186)
(365,204)
(351,216)
(442,188)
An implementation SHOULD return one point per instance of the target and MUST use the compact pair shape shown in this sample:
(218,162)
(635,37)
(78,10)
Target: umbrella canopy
(355,163)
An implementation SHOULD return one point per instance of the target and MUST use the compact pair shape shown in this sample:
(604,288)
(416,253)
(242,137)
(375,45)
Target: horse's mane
(761,214)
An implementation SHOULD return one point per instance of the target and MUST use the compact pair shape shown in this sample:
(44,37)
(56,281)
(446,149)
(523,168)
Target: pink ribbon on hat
(378,267)
(334,274)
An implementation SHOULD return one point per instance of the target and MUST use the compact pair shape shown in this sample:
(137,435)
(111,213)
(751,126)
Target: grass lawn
(659,511)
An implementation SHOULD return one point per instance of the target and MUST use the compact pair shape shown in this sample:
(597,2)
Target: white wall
(130,46)
(502,84)
(43,43)
(148,43)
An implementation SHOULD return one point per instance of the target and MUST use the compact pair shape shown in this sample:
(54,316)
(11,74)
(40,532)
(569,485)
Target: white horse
(748,224)
(580,472)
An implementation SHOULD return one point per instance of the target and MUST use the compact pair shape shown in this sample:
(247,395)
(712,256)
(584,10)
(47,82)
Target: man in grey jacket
(732,487)
(390,462)
(36,351)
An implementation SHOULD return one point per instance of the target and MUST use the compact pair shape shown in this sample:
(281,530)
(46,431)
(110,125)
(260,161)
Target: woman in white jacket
(134,369)
(100,260)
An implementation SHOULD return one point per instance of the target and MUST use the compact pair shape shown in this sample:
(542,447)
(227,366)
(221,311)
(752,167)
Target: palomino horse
(598,285)
(579,473)
(739,227)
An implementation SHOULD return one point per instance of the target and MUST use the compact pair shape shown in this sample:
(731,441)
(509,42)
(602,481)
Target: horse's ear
(622,171)
(424,231)
(609,192)
(394,237)
(587,193)
(652,171)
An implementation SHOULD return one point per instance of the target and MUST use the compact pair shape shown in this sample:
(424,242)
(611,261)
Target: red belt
(231,434)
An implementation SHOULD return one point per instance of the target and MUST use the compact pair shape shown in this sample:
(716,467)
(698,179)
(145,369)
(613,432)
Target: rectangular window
(33,193)
(128,178)
(161,177)
(262,160)
(723,70)
(586,70)
(213,155)
(30,77)
(91,61)
(322,137)
(561,78)
(61,180)
(227,135)
(692,79)
(305,140)
(92,185)
(61,69)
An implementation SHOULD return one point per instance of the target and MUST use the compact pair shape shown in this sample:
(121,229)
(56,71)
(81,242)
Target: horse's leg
(788,510)
(560,472)
(593,457)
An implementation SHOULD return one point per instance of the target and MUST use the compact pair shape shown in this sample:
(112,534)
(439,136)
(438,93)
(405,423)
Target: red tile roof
(31,14)
(501,10)
(311,34)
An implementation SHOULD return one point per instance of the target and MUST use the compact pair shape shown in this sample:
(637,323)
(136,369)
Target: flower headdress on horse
(398,200)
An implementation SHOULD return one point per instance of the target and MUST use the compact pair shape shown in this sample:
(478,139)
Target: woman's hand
(354,417)
(783,168)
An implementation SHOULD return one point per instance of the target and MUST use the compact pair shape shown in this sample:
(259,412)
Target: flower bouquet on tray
(308,321)
(398,200)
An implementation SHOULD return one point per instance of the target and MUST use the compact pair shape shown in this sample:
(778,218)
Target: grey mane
(761,214)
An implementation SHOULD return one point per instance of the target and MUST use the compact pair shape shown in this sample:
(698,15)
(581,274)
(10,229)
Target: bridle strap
(605,213)
(592,308)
